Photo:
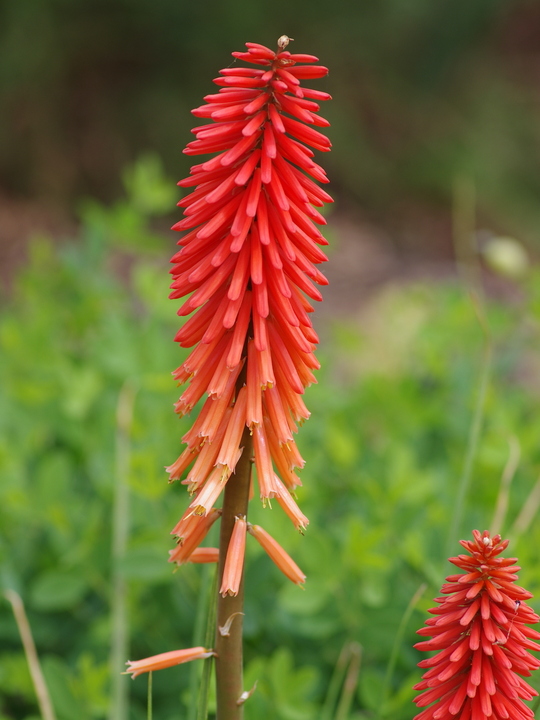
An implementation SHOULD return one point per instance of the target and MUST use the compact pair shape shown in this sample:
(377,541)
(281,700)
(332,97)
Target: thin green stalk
(472,448)
(463,232)
(120,530)
(503,497)
(40,686)
(467,263)
(149,711)
(350,683)
(527,513)
(228,645)
(398,640)
(336,682)
(204,690)
(199,633)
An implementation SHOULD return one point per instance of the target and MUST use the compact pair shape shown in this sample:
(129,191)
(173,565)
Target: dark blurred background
(424,92)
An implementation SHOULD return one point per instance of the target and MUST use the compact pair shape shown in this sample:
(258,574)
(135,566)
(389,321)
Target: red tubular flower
(481,636)
(247,263)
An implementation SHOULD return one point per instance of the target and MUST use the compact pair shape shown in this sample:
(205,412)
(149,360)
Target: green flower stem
(149,712)
(120,628)
(336,681)
(199,636)
(501,508)
(474,432)
(351,682)
(527,513)
(204,689)
(228,647)
(349,656)
(398,640)
(464,224)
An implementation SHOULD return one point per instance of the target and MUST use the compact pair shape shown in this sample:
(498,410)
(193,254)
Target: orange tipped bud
(263,463)
(207,457)
(197,529)
(284,561)
(219,406)
(182,463)
(211,490)
(233,435)
(185,526)
(204,555)
(290,507)
(165,660)
(254,395)
(234,563)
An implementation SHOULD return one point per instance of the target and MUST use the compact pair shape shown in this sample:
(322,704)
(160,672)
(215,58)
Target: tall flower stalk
(481,635)
(247,266)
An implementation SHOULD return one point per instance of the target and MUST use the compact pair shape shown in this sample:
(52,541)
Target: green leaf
(60,684)
(58,590)
(370,688)
(148,188)
(15,676)
(146,563)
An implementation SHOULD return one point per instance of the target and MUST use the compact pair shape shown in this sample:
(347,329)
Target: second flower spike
(481,635)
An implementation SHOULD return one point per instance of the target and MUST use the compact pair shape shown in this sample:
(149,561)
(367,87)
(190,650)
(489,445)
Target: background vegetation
(386,447)
(425,420)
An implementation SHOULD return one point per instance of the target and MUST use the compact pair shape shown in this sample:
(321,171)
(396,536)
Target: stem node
(225,630)
(246,695)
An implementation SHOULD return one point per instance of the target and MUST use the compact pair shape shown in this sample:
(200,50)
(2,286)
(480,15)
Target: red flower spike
(247,259)
(481,635)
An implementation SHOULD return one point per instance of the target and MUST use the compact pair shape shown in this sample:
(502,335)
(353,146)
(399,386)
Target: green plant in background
(390,425)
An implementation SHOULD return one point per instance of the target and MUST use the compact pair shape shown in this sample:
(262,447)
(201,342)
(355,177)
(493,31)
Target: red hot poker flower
(248,264)
(481,635)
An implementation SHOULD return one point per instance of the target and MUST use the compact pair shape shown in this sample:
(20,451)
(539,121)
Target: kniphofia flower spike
(481,636)
(248,266)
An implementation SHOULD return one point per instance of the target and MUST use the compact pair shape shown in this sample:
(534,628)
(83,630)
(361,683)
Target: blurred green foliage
(422,90)
(385,448)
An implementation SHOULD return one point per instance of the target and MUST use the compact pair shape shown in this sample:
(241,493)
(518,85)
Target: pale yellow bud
(506,256)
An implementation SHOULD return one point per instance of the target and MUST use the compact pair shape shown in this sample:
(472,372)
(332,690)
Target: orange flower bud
(165,660)
(284,561)
(204,555)
(197,529)
(234,562)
